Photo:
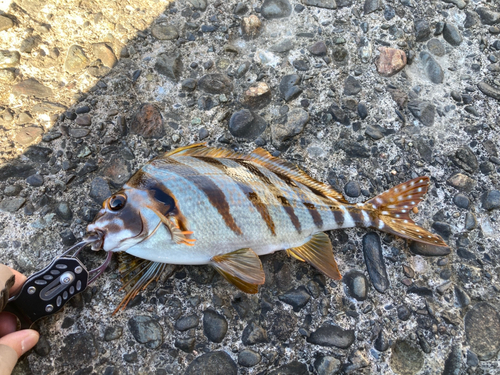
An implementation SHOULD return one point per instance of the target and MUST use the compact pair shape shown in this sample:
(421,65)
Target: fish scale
(200,205)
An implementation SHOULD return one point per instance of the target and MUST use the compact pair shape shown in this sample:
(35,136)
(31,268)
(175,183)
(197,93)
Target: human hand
(12,344)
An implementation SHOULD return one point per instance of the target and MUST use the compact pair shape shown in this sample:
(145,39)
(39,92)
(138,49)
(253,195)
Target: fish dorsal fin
(242,268)
(264,158)
(318,252)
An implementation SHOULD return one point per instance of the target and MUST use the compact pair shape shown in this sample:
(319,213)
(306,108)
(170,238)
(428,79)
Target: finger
(8,323)
(21,341)
(20,279)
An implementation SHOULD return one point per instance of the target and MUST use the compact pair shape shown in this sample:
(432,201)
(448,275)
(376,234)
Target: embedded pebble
(375,263)
(164,31)
(273,9)
(146,331)
(215,83)
(327,365)
(297,298)
(5,23)
(76,60)
(214,326)
(357,285)
(245,124)
(432,68)
(248,358)
(148,122)
(170,65)
(31,87)
(390,61)
(406,358)
(330,335)
(211,364)
(491,200)
(482,327)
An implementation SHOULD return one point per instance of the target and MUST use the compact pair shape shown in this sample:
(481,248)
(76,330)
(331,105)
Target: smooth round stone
(297,298)
(356,284)
(436,47)
(12,204)
(352,189)
(482,328)
(432,68)
(78,132)
(406,359)
(104,53)
(76,60)
(272,9)
(292,368)
(461,201)
(452,35)
(214,326)
(375,262)
(301,65)
(213,363)
(63,211)
(31,87)
(28,135)
(5,23)
(189,84)
(198,4)
(146,331)
(163,31)
(362,111)
(84,120)
(245,124)
(318,48)
(329,335)
(187,322)
(491,200)
(113,333)
(248,358)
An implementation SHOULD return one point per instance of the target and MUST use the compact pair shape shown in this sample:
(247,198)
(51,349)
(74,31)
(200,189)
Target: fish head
(119,223)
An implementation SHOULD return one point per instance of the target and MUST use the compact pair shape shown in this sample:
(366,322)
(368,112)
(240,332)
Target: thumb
(14,345)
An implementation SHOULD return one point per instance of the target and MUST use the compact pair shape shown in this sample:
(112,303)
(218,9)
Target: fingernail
(29,340)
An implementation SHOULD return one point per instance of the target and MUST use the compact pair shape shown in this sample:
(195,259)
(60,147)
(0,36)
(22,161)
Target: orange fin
(178,236)
(265,159)
(137,274)
(242,268)
(318,252)
(393,211)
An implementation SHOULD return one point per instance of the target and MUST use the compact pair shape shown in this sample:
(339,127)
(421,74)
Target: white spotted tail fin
(392,209)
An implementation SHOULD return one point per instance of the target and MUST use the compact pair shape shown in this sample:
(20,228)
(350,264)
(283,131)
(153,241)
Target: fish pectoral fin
(318,252)
(178,235)
(242,268)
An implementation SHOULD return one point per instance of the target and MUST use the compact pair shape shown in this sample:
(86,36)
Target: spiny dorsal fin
(242,268)
(318,252)
(264,158)
(393,211)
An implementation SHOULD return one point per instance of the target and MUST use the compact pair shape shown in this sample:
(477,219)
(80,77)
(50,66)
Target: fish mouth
(95,238)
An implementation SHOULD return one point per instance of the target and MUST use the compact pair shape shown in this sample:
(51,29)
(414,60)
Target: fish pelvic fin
(391,211)
(242,268)
(318,252)
(137,274)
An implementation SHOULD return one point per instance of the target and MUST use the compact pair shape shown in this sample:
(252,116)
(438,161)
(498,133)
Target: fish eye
(116,202)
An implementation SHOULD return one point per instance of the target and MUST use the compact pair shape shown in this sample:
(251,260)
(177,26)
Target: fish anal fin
(318,252)
(242,268)
(392,209)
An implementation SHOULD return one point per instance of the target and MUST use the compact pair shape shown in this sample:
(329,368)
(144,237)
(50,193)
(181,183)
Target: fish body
(200,205)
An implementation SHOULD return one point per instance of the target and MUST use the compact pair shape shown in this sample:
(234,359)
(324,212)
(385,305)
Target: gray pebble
(452,35)
(482,328)
(164,31)
(42,348)
(198,4)
(406,358)
(301,65)
(254,334)
(187,322)
(461,297)
(330,335)
(35,180)
(489,90)
(113,333)
(461,201)
(472,359)
(352,86)
(78,132)
(356,285)
(12,190)
(437,49)
(146,331)
(381,343)
(375,131)
(371,6)
(327,365)
(491,200)
(461,182)
(470,221)
(213,363)
(423,111)
(289,87)
(215,83)
(460,4)
(432,68)
(292,368)
(63,211)
(84,120)
(99,190)
(246,124)
(422,30)
(294,123)
(30,43)
(170,65)
(318,48)
(79,348)
(352,189)
(12,204)
(248,358)
(214,326)
(203,133)
(273,9)
(189,84)
(362,111)
(375,264)
(403,313)
(297,298)
(488,16)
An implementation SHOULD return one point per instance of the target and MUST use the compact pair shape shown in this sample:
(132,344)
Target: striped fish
(200,205)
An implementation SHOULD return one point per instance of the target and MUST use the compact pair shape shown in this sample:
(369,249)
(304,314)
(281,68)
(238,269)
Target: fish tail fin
(391,210)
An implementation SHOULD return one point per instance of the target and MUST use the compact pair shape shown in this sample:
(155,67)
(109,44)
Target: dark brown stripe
(248,191)
(254,170)
(318,221)
(291,213)
(357,217)
(287,180)
(338,216)
(214,194)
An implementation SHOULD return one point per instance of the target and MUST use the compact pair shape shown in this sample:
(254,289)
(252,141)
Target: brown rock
(148,122)
(251,25)
(5,23)
(104,53)
(258,96)
(28,135)
(76,60)
(31,87)
(390,61)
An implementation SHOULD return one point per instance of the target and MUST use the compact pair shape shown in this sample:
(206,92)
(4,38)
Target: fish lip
(96,239)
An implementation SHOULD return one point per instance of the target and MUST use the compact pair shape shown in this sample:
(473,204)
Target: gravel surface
(362,94)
